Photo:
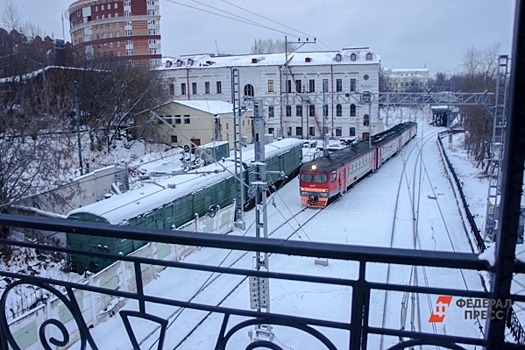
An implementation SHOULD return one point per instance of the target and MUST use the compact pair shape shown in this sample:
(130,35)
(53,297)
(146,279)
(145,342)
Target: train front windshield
(319,178)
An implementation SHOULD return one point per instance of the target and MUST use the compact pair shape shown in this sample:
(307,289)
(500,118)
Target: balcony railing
(360,332)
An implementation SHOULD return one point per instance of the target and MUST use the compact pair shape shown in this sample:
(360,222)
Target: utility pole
(237,142)
(260,286)
(286,68)
(366,97)
(77,117)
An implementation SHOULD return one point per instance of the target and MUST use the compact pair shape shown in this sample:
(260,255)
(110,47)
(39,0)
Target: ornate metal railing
(360,332)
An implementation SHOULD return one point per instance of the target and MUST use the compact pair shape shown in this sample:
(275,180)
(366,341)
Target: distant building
(406,80)
(193,123)
(299,95)
(20,54)
(117,28)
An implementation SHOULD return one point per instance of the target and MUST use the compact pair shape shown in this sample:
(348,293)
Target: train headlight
(314,166)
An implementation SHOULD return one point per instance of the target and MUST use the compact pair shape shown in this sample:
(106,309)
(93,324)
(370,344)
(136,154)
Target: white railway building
(297,89)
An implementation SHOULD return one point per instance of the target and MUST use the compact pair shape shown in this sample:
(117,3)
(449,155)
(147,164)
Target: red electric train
(326,178)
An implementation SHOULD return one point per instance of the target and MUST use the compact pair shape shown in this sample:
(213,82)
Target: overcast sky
(404,33)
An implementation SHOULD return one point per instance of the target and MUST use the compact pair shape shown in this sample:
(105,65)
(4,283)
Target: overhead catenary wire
(236,18)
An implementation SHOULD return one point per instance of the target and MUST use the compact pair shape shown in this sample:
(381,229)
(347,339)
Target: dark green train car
(174,201)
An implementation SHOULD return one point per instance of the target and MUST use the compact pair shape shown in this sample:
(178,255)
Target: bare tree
(125,90)
(270,46)
(479,71)
(11,18)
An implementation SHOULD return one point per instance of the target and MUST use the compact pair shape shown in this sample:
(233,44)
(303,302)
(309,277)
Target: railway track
(215,279)
(413,177)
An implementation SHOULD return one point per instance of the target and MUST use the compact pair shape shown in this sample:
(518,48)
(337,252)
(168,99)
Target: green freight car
(174,201)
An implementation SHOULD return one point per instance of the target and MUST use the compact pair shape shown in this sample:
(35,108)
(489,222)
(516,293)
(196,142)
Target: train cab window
(333,177)
(306,177)
(320,178)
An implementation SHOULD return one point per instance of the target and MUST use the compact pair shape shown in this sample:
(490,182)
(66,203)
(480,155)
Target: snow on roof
(36,73)
(213,107)
(362,55)
(120,208)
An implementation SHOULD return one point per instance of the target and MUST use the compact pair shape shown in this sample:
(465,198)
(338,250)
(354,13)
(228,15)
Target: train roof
(387,135)
(334,159)
(120,208)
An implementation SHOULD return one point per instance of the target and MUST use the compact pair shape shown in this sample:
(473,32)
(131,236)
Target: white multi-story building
(407,79)
(300,91)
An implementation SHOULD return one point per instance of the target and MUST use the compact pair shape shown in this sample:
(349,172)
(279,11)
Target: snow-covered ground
(408,203)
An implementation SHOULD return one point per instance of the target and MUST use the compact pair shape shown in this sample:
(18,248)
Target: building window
(270,86)
(270,111)
(311,110)
(366,120)
(298,131)
(311,85)
(353,84)
(311,131)
(194,88)
(325,110)
(248,90)
(183,88)
(174,138)
(338,131)
(168,119)
(338,110)
(177,119)
(353,57)
(299,110)
(288,86)
(289,131)
(288,110)
(298,86)
(325,85)
(369,56)
(219,87)
(271,131)
(352,131)
(186,119)
(171,87)
(207,87)
(352,110)
(339,85)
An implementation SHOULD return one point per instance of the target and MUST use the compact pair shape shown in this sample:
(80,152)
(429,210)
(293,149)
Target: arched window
(353,57)
(352,110)
(366,120)
(339,110)
(369,56)
(248,90)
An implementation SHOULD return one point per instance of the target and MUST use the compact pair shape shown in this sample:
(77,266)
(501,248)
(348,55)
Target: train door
(344,178)
(378,157)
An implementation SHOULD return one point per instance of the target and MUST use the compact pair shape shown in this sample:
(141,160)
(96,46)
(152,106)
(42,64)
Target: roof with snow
(212,107)
(358,55)
(119,209)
